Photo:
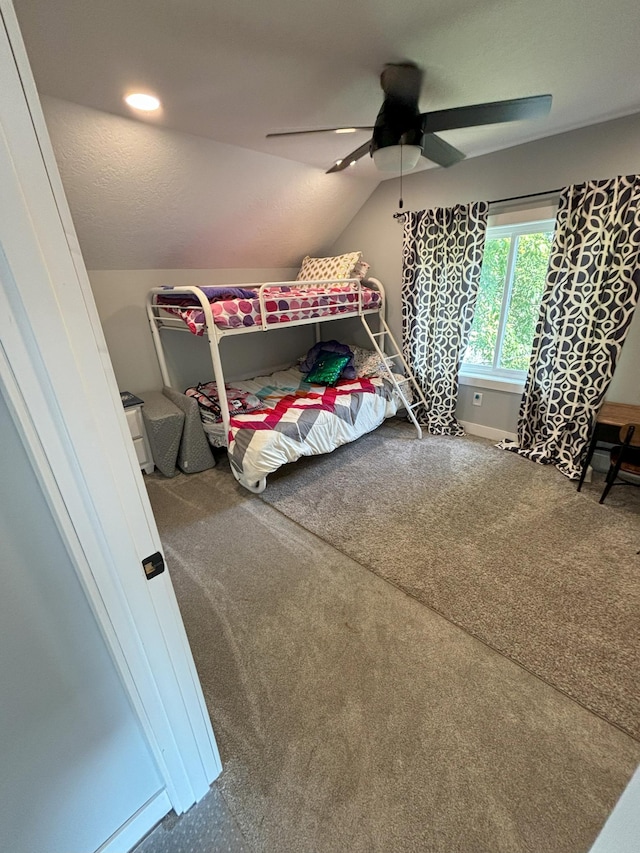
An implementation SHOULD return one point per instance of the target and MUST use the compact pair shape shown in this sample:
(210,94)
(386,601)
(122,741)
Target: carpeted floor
(350,716)
(503,547)
(208,827)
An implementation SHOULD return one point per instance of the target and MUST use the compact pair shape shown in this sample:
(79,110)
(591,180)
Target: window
(514,269)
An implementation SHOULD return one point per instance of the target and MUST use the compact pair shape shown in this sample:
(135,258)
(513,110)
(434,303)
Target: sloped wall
(153,207)
(143,197)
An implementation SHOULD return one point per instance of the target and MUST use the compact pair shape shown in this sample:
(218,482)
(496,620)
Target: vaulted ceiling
(233,72)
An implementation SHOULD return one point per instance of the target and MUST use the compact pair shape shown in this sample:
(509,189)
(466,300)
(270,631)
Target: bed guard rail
(156,321)
(356,307)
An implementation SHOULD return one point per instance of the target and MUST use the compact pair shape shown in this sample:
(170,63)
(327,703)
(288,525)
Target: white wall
(625,385)
(120,298)
(75,765)
(599,151)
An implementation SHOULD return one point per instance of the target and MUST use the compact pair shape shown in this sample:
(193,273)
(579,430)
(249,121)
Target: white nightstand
(139,436)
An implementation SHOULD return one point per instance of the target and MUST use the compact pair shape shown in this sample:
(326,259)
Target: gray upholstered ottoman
(164,423)
(195,453)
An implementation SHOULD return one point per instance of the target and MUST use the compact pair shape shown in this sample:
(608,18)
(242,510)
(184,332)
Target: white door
(75,763)
(59,390)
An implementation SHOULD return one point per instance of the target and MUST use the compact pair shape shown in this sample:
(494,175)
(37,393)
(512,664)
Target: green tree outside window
(512,282)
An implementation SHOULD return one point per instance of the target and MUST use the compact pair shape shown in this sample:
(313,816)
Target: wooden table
(609,419)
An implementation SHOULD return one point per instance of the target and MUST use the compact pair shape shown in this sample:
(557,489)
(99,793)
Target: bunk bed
(294,417)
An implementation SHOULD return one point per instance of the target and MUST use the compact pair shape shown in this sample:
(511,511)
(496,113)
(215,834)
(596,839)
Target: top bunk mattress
(283,304)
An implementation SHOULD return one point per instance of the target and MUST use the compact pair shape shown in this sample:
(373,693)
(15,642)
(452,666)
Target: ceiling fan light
(390,158)
(345,130)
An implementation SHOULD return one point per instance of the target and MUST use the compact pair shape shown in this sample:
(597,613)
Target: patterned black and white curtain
(591,293)
(442,260)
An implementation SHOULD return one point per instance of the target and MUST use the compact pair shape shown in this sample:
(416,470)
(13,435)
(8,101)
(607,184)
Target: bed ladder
(398,360)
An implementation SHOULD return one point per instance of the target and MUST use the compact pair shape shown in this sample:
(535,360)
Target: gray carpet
(351,717)
(503,547)
(208,827)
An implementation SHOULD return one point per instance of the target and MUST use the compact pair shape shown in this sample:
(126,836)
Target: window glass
(530,271)
(514,269)
(484,331)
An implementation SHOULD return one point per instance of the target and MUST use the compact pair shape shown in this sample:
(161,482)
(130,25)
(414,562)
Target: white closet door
(75,763)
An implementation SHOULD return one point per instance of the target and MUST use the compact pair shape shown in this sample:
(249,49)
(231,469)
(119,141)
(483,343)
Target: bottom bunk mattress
(297,419)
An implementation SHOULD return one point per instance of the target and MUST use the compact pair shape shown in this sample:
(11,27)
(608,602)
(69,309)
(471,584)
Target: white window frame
(492,376)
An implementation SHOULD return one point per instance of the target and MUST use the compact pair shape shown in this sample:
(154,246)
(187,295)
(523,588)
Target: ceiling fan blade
(495,112)
(350,158)
(318,130)
(439,151)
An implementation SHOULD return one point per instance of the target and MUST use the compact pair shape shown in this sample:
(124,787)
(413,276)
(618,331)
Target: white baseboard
(487,431)
(138,825)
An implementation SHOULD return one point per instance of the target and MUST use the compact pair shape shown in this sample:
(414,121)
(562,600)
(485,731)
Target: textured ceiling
(149,198)
(235,71)
(199,185)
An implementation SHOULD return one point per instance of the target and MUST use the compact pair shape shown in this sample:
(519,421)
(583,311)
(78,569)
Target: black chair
(624,469)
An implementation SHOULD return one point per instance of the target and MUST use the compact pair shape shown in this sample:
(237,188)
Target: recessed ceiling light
(139,101)
(346,130)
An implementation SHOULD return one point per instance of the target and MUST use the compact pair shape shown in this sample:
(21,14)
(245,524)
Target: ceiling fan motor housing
(399,121)
(396,124)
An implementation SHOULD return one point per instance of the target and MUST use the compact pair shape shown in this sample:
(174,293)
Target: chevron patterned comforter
(299,419)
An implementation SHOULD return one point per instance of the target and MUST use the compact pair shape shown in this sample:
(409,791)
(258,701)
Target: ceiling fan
(402,134)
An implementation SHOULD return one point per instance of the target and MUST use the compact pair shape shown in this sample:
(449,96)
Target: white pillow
(340,266)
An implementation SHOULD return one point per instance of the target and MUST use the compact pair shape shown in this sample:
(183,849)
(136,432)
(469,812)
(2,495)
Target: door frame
(57,377)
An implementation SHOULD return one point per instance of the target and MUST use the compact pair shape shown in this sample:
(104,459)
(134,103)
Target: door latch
(153,565)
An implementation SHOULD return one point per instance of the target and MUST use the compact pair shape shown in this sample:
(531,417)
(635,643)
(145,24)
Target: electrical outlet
(477,399)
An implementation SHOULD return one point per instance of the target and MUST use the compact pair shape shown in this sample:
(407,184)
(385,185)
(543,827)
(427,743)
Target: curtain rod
(502,200)
(528,195)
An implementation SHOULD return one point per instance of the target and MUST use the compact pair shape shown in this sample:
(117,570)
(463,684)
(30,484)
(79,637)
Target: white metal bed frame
(160,319)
